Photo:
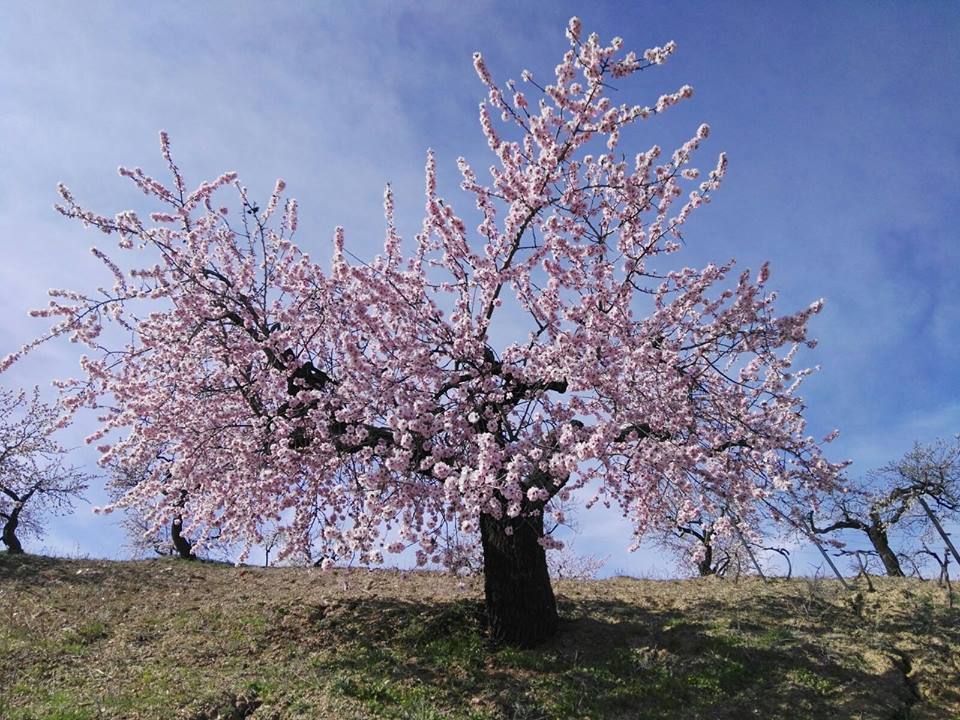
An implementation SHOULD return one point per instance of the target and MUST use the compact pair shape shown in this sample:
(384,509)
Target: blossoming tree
(35,481)
(368,405)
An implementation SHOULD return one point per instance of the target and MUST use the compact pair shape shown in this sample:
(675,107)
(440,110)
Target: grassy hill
(84,639)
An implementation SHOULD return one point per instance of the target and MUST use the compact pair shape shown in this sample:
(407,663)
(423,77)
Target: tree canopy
(368,405)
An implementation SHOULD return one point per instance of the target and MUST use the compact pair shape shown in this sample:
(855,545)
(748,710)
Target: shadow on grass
(743,651)
(609,660)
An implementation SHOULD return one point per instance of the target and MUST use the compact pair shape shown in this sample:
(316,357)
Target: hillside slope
(165,639)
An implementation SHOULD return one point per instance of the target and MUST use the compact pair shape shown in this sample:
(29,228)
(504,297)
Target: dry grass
(165,639)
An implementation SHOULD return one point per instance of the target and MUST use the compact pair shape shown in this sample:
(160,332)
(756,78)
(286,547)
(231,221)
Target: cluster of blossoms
(367,407)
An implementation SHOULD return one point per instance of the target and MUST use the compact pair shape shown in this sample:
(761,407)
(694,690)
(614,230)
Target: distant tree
(565,563)
(873,514)
(35,482)
(714,542)
(931,475)
(943,566)
(474,379)
(145,535)
(907,497)
(709,558)
(695,541)
(273,538)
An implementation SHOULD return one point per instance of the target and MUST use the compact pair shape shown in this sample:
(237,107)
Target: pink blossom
(371,401)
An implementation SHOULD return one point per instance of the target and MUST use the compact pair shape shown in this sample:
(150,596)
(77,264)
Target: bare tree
(694,541)
(273,537)
(697,542)
(35,481)
(714,543)
(872,515)
(931,474)
(908,495)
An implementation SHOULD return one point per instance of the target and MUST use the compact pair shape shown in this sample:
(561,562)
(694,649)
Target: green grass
(162,639)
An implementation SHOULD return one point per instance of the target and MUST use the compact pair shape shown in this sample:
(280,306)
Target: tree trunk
(878,538)
(180,543)
(521,608)
(705,566)
(10,533)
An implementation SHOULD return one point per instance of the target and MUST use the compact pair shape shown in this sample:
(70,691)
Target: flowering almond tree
(367,406)
(35,481)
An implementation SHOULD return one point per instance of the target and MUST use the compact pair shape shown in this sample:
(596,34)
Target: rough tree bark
(10,532)
(877,534)
(521,607)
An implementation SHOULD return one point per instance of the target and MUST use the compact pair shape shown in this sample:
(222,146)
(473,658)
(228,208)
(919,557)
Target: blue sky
(840,120)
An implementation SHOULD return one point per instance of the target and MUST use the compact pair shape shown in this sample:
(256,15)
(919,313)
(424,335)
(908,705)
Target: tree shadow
(760,651)
(915,637)
(609,659)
